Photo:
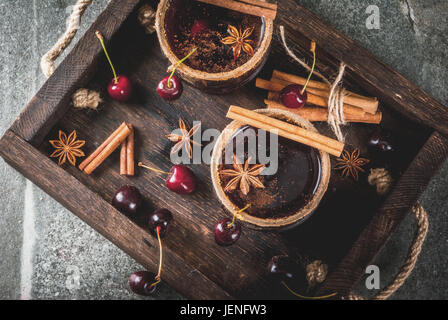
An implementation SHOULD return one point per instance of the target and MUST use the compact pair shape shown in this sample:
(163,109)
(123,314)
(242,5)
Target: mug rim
(269,223)
(251,64)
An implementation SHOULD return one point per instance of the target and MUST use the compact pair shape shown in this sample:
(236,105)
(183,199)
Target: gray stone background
(71,261)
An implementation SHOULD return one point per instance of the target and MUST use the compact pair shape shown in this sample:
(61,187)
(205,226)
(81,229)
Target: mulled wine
(225,39)
(281,194)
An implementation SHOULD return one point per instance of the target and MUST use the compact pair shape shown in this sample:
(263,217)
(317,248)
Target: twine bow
(337,92)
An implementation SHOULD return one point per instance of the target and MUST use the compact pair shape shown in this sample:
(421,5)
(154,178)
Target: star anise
(184,140)
(245,176)
(351,164)
(67,148)
(239,40)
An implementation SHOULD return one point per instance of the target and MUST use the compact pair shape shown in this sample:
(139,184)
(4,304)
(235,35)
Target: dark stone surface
(71,261)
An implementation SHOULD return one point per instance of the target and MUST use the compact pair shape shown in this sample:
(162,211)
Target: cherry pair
(144,282)
(128,199)
(120,87)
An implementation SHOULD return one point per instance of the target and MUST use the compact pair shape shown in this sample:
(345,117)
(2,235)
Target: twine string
(414,251)
(299,61)
(381,179)
(336,104)
(337,93)
(47,61)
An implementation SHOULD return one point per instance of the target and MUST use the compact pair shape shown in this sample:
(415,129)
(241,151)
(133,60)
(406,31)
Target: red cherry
(120,87)
(172,91)
(127,199)
(181,180)
(199,26)
(282,266)
(120,90)
(142,283)
(160,218)
(285,269)
(170,88)
(226,232)
(293,97)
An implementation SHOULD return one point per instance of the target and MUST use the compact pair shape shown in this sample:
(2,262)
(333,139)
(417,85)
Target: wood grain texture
(54,98)
(195,265)
(396,207)
(104,218)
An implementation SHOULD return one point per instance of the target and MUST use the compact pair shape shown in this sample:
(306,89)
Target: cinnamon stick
(264,4)
(322,102)
(369,105)
(287,130)
(312,99)
(269,85)
(274,96)
(115,142)
(325,93)
(318,114)
(123,158)
(130,152)
(89,159)
(313,84)
(252,7)
(298,80)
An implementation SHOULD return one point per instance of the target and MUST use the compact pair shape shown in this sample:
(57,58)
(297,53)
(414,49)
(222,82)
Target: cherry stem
(158,277)
(140,164)
(178,64)
(305,297)
(100,37)
(313,50)
(230,225)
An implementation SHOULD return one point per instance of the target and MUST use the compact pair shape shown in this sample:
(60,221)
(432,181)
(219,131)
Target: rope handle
(414,251)
(146,18)
(47,61)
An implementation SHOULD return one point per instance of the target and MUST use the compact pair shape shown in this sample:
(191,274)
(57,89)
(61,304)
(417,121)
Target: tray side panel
(53,99)
(105,219)
(372,239)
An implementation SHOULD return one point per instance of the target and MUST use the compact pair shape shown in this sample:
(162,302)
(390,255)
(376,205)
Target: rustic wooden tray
(346,232)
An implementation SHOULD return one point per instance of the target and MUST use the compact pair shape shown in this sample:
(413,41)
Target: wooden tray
(347,231)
